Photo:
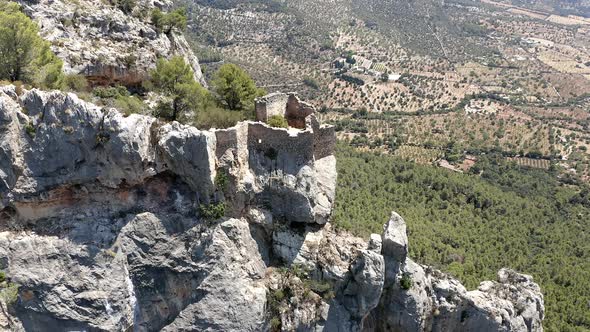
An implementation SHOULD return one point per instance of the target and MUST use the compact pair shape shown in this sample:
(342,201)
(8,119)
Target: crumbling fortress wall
(103,226)
(279,159)
(287,105)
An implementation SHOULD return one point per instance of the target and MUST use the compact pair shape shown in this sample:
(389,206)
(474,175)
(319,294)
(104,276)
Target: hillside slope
(109,44)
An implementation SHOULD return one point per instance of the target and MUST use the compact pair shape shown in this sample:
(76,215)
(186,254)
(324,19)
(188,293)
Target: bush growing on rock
(311,82)
(212,116)
(275,324)
(129,105)
(212,211)
(30,129)
(110,92)
(24,56)
(277,121)
(406,282)
(74,83)
(8,291)
(221,180)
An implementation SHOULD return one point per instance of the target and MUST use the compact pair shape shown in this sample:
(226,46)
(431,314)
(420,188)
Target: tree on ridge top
(236,89)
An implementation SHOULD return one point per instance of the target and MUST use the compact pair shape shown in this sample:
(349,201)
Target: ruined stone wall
(271,105)
(290,149)
(324,143)
(287,105)
(231,146)
(297,111)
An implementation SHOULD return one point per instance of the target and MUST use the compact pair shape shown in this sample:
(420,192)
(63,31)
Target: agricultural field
(533,163)
(481,76)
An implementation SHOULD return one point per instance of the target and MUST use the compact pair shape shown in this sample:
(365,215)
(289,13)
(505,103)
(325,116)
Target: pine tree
(24,56)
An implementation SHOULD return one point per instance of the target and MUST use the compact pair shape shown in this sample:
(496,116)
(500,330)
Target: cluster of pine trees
(472,225)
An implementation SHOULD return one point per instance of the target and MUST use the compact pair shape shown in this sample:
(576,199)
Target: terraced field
(533,163)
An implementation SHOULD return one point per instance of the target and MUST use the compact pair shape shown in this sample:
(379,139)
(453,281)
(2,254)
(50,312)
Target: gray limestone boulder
(363,292)
(395,239)
(190,153)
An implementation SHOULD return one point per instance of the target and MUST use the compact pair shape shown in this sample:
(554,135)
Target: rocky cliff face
(104,226)
(101,41)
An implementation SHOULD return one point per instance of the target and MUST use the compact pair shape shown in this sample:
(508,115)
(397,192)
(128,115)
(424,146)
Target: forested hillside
(471,226)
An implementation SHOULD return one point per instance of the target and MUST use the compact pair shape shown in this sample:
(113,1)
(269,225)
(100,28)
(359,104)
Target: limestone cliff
(100,40)
(104,227)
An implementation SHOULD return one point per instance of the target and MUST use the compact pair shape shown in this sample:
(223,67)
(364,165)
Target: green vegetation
(30,129)
(406,282)
(474,29)
(188,102)
(8,295)
(77,83)
(311,82)
(24,56)
(278,121)
(221,180)
(167,22)
(110,91)
(215,117)
(119,98)
(129,105)
(175,78)
(275,324)
(235,88)
(471,226)
(8,292)
(212,211)
(102,138)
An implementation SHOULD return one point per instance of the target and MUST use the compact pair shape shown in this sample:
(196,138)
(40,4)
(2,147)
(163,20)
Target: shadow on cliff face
(34,321)
(109,258)
(59,211)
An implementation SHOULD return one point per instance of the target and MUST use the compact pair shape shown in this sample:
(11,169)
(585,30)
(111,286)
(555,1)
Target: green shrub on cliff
(8,291)
(212,211)
(24,56)
(76,83)
(212,116)
(406,281)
